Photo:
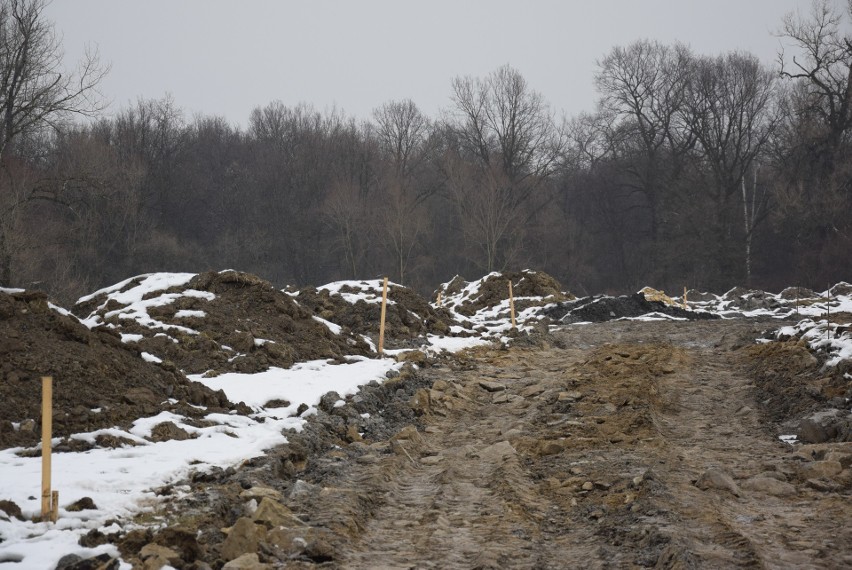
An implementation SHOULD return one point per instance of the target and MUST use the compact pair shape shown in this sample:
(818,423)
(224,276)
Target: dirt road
(616,445)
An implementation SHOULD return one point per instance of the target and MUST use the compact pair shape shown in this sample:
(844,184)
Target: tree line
(705,171)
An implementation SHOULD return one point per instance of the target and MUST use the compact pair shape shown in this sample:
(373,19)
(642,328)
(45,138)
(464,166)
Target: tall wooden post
(46,433)
(384,311)
(439,298)
(828,314)
(512,303)
(685,306)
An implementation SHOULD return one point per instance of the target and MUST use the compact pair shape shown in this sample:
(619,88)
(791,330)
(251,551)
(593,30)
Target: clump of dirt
(793,293)
(598,309)
(225,322)
(493,289)
(98,381)
(408,315)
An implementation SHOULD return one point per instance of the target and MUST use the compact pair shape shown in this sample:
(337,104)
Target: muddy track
(620,445)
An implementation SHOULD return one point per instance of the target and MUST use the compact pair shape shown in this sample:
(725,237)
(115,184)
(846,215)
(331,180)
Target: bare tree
(403,133)
(733,115)
(507,130)
(825,66)
(644,89)
(35,93)
(34,90)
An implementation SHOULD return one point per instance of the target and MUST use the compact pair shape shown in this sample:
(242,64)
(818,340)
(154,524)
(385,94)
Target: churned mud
(614,445)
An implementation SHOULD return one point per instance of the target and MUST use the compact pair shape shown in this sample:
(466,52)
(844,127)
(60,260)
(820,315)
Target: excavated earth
(98,381)
(613,445)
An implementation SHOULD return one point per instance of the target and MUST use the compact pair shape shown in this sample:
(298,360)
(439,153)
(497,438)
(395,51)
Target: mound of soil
(793,386)
(408,315)
(793,293)
(600,309)
(494,289)
(98,381)
(226,322)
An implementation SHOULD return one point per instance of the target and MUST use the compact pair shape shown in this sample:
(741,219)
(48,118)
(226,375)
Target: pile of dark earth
(495,289)
(408,315)
(98,381)
(248,327)
(600,308)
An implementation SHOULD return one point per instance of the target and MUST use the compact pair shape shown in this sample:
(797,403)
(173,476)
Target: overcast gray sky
(221,57)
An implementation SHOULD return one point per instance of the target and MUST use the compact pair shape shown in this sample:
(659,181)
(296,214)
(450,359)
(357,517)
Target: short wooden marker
(47,508)
(439,298)
(384,311)
(685,306)
(512,303)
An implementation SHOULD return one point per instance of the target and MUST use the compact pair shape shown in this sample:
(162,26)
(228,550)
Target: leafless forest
(704,170)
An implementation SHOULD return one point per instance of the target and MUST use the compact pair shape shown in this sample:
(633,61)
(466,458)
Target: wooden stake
(54,506)
(384,310)
(685,306)
(512,303)
(828,314)
(46,432)
(797,301)
(439,298)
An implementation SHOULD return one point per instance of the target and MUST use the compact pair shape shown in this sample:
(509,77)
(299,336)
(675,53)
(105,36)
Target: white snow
(335,329)
(304,382)
(368,291)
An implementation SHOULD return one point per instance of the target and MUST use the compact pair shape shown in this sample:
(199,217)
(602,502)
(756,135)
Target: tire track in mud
(628,445)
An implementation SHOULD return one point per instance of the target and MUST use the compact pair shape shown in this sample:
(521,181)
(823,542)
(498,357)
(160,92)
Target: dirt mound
(530,288)
(600,309)
(356,305)
(99,382)
(793,293)
(217,322)
(793,386)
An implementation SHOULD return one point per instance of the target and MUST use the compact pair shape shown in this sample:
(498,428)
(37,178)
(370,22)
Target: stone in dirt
(166,431)
(770,486)
(718,480)
(74,562)
(249,561)
(244,537)
(274,514)
(491,386)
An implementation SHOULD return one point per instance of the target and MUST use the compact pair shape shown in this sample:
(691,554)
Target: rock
(301,489)
(259,492)
(497,453)
(274,514)
(84,504)
(181,539)
(11,509)
(421,402)
(248,561)
(719,480)
(290,540)
(569,396)
(166,431)
(164,552)
(328,400)
(319,551)
(244,537)
(770,486)
(102,562)
(491,386)
(550,447)
(27,425)
(417,357)
(588,486)
(812,432)
(821,470)
(532,391)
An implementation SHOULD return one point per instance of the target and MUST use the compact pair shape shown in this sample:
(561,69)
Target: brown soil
(90,370)
(246,309)
(621,444)
(409,317)
(495,290)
